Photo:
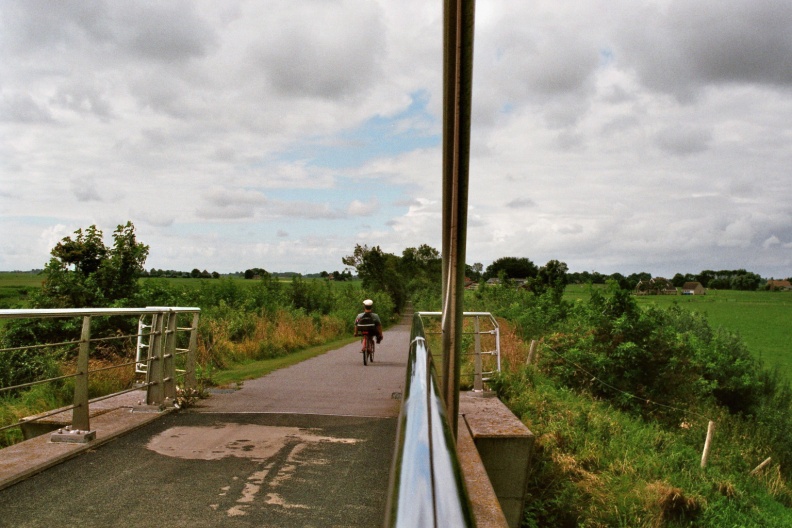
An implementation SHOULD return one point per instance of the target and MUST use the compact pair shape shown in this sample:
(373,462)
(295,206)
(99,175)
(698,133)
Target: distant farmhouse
(655,286)
(693,288)
(782,285)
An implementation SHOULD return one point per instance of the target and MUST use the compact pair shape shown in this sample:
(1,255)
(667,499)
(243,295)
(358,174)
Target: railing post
(80,413)
(478,381)
(189,362)
(497,343)
(169,356)
(154,374)
(458,18)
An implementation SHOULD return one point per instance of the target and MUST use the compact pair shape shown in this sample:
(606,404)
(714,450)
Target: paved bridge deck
(309,445)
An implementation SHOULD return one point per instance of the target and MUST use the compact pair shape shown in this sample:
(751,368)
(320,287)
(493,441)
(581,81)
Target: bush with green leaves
(633,356)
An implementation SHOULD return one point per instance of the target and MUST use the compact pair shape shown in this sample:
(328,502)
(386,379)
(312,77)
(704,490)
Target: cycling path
(309,445)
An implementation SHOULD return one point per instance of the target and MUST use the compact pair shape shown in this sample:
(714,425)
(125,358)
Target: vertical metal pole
(189,364)
(478,381)
(154,374)
(80,414)
(457,95)
(169,357)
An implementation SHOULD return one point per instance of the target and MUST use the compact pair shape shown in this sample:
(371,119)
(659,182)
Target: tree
(513,267)
(422,267)
(621,280)
(705,277)
(475,271)
(551,276)
(254,273)
(379,271)
(83,272)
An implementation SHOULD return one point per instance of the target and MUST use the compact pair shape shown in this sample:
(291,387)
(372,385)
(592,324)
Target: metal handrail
(426,483)
(160,384)
(38,313)
(479,374)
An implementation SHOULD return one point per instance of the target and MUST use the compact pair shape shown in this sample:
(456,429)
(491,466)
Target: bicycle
(367,343)
(368,348)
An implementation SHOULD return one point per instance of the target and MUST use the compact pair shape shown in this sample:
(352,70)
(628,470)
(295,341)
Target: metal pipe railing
(458,22)
(479,374)
(160,381)
(426,484)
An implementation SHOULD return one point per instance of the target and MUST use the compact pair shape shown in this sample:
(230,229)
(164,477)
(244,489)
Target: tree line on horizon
(416,266)
(739,279)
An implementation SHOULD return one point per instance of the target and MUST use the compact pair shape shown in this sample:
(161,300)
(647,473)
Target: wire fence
(170,338)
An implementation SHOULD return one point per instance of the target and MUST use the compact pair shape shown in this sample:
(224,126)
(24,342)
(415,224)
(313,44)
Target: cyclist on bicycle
(368,319)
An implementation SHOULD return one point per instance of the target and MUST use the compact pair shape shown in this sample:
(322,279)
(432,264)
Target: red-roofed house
(783,285)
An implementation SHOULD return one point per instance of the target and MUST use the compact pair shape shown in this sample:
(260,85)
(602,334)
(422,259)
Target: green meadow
(15,288)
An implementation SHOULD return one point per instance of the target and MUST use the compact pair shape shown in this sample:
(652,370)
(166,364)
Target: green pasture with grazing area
(762,318)
(15,288)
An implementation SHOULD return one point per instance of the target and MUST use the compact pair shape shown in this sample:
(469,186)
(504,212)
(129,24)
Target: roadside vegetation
(620,399)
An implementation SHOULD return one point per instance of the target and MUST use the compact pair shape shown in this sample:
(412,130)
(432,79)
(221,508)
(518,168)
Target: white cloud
(615,136)
(358,208)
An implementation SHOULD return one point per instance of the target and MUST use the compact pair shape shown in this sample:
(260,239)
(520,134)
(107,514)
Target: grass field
(15,287)
(763,319)
(194,283)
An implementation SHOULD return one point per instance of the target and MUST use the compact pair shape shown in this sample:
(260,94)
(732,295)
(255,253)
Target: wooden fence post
(761,466)
(531,352)
(708,443)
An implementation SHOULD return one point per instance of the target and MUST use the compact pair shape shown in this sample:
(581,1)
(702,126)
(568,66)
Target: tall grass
(106,376)
(249,337)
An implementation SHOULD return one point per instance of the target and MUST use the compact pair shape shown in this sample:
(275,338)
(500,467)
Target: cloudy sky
(614,135)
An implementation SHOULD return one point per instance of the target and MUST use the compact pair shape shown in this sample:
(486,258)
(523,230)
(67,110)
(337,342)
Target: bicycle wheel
(365,350)
(370,350)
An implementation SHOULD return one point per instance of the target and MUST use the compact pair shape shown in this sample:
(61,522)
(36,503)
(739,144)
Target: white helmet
(368,303)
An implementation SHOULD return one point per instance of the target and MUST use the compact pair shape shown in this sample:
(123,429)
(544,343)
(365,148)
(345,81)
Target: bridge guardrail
(426,484)
(485,331)
(161,373)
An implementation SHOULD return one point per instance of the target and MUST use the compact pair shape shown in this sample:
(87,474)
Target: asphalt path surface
(310,445)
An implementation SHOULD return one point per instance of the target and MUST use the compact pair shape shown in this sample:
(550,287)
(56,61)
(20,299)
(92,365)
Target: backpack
(366,322)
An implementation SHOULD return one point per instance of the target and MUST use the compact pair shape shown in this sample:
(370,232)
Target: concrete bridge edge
(494,449)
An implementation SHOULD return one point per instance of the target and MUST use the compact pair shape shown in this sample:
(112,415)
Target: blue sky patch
(380,136)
